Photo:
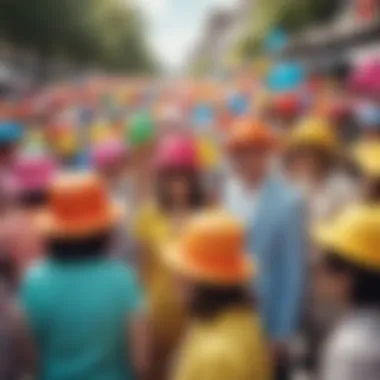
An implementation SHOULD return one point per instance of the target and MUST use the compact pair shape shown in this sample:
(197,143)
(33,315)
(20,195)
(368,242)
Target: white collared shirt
(240,200)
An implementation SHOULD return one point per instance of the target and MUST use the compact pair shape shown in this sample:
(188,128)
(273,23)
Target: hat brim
(326,237)
(51,227)
(176,261)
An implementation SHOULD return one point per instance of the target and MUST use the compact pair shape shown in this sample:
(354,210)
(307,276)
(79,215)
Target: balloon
(141,129)
(238,104)
(10,132)
(368,116)
(203,114)
(285,76)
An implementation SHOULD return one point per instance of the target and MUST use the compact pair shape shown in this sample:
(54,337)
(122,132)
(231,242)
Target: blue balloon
(285,76)
(238,104)
(203,114)
(10,132)
(276,41)
(82,161)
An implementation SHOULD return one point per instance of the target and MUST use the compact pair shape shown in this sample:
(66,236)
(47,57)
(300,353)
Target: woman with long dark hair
(178,194)
(224,340)
(83,308)
(348,277)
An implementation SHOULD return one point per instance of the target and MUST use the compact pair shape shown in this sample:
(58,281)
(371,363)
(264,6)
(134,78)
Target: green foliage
(106,33)
(292,15)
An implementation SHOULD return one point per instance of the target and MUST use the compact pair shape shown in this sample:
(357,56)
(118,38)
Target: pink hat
(107,153)
(366,77)
(32,172)
(176,152)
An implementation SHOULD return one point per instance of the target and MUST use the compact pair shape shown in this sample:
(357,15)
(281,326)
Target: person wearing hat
(224,339)
(179,193)
(284,111)
(368,119)
(30,178)
(348,277)
(11,134)
(83,308)
(10,366)
(110,159)
(273,215)
(311,163)
(141,136)
(365,158)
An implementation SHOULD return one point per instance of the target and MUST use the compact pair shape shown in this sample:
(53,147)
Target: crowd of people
(192,229)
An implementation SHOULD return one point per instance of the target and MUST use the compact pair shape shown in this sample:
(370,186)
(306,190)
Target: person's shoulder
(356,340)
(122,273)
(39,272)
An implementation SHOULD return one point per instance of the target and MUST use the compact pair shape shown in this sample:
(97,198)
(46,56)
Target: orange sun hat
(78,207)
(246,133)
(211,250)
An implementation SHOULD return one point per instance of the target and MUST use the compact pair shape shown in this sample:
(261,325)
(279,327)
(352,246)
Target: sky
(176,25)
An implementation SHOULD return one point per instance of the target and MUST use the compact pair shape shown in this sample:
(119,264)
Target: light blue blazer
(276,237)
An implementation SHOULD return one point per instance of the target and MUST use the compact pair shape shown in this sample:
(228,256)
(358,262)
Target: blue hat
(10,132)
(368,116)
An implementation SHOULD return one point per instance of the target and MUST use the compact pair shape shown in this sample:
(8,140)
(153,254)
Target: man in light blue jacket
(273,214)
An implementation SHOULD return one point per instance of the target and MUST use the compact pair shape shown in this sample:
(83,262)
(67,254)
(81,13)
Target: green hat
(141,129)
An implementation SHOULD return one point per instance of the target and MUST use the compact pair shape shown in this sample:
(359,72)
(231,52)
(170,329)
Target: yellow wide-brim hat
(313,132)
(354,236)
(366,156)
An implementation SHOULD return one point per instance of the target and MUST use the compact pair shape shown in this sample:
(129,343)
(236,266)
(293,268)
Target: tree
(107,33)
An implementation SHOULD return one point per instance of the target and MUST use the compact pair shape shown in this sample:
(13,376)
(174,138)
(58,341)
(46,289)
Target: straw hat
(354,235)
(78,207)
(247,133)
(313,132)
(211,250)
(366,155)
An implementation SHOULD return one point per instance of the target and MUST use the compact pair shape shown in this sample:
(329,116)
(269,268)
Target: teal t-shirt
(78,314)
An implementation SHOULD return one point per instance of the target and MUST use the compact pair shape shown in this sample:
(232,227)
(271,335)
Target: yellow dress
(231,346)
(154,231)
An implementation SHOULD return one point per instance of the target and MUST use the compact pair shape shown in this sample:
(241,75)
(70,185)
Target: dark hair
(8,270)
(197,198)
(79,249)
(325,159)
(33,199)
(372,192)
(366,282)
(209,301)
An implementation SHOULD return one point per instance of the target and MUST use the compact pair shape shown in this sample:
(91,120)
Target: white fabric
(240,200)
(353,350)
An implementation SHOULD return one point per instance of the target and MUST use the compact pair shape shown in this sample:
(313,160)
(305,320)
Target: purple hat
(107,153)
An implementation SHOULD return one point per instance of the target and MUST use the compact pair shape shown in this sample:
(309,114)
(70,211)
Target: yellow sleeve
(142,224)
